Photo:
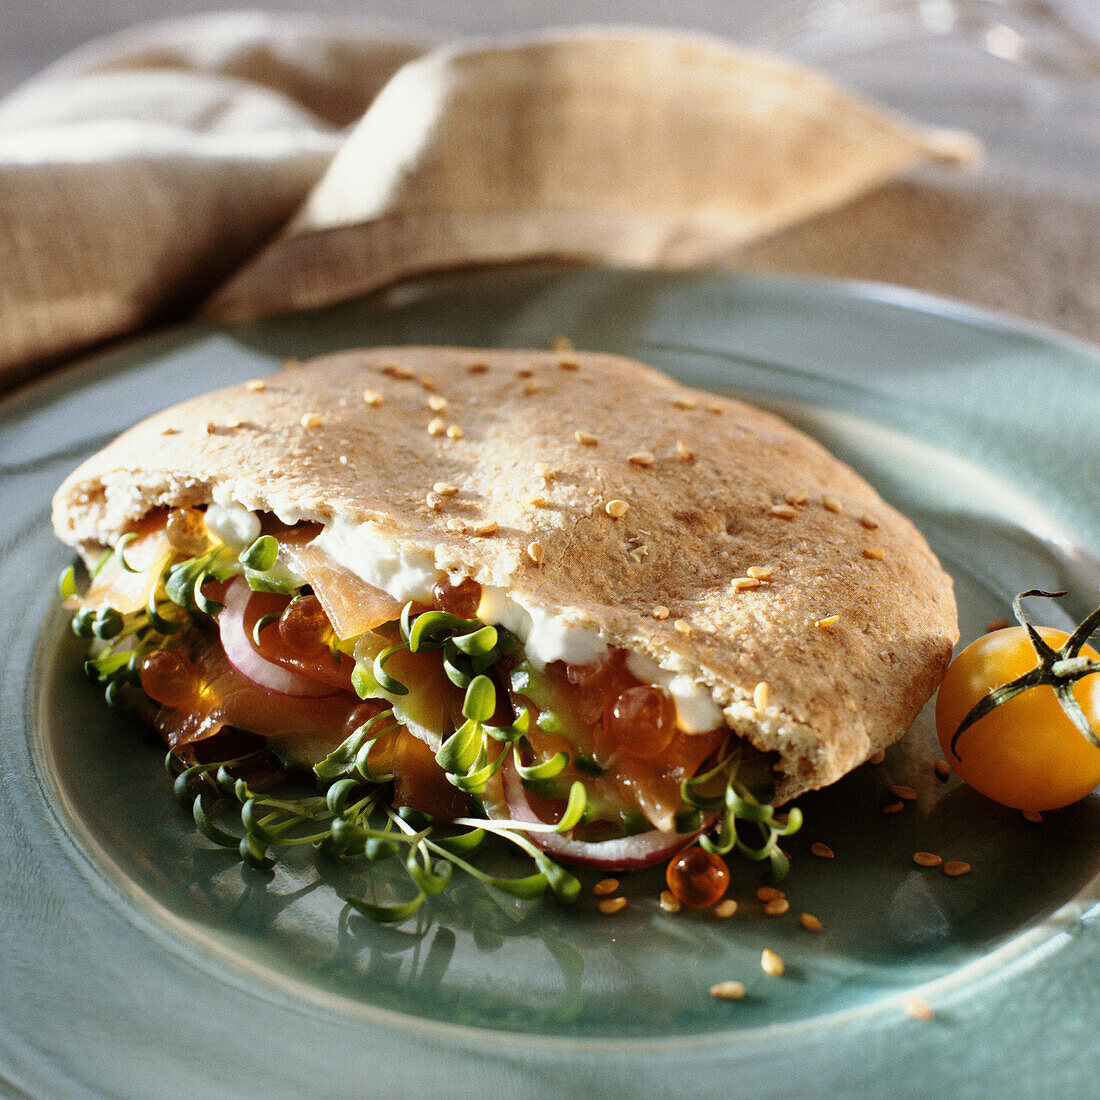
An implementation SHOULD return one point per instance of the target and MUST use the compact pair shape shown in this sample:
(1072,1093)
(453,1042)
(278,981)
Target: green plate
(139,960)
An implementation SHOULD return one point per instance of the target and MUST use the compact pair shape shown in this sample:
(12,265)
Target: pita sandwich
(620,531)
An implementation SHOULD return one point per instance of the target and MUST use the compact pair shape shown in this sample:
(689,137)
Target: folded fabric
(245,164)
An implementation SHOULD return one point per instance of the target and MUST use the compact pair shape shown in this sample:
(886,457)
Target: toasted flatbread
(707,534)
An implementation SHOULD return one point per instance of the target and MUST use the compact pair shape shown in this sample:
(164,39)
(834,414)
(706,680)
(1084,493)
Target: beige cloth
(245,164)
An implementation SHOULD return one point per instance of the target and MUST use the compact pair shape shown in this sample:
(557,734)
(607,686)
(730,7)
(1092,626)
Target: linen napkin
(237,165)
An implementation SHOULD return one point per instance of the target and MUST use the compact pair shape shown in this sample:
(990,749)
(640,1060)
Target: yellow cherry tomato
(1025,753)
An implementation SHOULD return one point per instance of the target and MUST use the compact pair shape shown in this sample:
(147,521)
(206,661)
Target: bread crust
(539,444)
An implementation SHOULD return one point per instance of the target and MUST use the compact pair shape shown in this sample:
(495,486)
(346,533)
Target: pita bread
(851,625)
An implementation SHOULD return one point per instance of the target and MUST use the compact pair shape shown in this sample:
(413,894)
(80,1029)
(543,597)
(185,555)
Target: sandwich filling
(327,648)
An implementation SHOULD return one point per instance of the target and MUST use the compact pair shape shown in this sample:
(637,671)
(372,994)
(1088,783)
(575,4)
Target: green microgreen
(176,599)
(261,623)
(472,755)
(349,815)
(740,791)
(120,552)
(351,820)
(66,584)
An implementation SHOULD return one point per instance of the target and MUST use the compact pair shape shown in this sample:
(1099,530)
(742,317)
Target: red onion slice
(626,853)
(237,643)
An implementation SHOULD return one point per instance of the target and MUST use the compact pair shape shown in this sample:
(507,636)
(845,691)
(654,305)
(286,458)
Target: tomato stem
(1059,669)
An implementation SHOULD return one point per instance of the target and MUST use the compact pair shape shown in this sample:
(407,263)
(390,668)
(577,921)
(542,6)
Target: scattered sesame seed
(524,372)
(873,553)
(683,451)
(1033,816)
(445,489)
(437,403)
(728,991)
(395,370)
(561,343)
(784,511)
(373,398)
(641,458)
(426,383)
(776,907)
(660,611)
(681,402)
(759,572)
(995,624)
(530,387)
(740,584)
(669,902)
(760,695)
(234,422)
(586,438)
(454,431)
(831,504)
(170,431)
(437,426)
(682,626)
(568,363)
(435,502)
(956,867)
(878,758)
(456,526)
(771,963)
(714,407)
(828,621)
(927,859)
(256,385)
(822,850)
(211,428)
(725,909)
(906,794)
(942,769)
(769,893)
(810,922)
(610,906)
(893,807)
(869,522)
(534,552)
(616,509)
(478,368)
(605,886)
(546,472)
(311,420)
(537,501)
(488,527)
(796,496)
(917,1009)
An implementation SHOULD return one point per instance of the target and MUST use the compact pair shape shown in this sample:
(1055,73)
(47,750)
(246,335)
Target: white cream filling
(545,637)
(409,574)
(234,525)
(696,710)
(404,573)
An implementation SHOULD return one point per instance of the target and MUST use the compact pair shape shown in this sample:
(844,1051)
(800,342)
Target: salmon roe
(461,599)
(641,722)
(697,878)
(168,677)
(186,531)
(304,626)
(360,715)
